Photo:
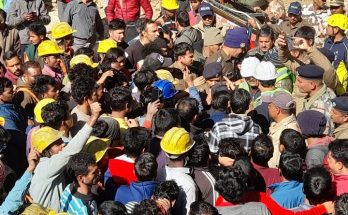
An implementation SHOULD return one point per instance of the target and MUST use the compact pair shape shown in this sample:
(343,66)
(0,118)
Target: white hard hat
(265,71)
(248,66)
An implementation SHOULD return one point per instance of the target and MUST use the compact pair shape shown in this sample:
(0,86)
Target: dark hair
(112,207)
(38,29)
(117,24)
(145,167)
(202,208)
(317,185)
(114,53)
(230,147)
(82,88)
(290,165)
(293,141)
(53,114)
(220,100)
(266,31)
(183,18)
(339,151)
(99,128)
(82,70)
(306,32)
(187,108)
(268,83)
(144,78)
(4,83)
(41,83)
(141,24)
(164,120)
(155,46)
(231,183)
(5,138)
(9,55)
(262,149)
(341,204)
(240,101)
(111,57)
(3,15)
(181,49)
(120,97)
(136,140)
(146,207)
(167,190)
(30,64)
(199,154)
(79,163)
(84,50)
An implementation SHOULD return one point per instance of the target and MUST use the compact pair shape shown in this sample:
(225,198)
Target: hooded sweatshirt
(136,191)
(241,127)
(317,151)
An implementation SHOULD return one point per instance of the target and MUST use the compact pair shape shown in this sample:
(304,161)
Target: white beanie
(265,71)
(248,66)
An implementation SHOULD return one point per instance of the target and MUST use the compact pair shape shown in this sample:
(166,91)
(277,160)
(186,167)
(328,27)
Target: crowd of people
(175,113)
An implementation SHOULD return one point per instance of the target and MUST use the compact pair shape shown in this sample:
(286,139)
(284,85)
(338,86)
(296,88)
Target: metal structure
(235,13)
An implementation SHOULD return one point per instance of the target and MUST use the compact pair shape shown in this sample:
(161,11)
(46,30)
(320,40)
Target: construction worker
(176,143)
(167,20)
(247,71)
(62,32)
(51,55)
(104,47)
(337,43)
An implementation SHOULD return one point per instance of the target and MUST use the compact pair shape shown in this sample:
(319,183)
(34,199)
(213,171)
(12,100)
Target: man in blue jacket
(146,171)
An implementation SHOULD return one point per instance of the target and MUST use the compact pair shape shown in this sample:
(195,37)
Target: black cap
(310,71)
(340,104)
(212,70)
(154,61)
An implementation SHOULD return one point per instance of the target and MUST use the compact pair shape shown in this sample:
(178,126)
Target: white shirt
(188,190)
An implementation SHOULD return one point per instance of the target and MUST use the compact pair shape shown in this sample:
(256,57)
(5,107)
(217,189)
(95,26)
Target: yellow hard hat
(338,20)
(164,75)
(176,141)
(48,47)
(105,45)
(35,208)
(170,4)
(97,146)
(38,109)
(81,58)
(43,137)
(61,29)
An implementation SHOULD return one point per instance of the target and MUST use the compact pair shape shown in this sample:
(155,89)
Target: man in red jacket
(129,12)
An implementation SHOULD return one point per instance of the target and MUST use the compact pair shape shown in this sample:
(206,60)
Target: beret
(310,71)
(340,104)
(212,70)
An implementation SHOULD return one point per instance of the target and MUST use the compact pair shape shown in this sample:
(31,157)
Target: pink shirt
(340,184)
(57,76)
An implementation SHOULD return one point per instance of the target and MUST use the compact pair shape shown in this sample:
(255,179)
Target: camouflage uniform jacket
(321,101)
(317,19)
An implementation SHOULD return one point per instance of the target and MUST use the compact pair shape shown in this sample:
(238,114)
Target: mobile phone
(156,94)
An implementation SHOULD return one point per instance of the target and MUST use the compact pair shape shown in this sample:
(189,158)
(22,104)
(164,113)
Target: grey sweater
(48,181)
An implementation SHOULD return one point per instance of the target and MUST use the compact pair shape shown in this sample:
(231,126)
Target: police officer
(339,115)
(235,44)
(309,80)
